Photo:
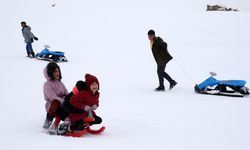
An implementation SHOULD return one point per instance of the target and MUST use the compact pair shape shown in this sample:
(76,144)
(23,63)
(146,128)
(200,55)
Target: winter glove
(87,108)
(35,38)
(94,107)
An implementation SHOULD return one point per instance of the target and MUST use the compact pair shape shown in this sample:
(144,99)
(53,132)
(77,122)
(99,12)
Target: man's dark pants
(162,74)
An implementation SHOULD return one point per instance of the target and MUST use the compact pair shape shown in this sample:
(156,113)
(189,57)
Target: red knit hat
(90,79)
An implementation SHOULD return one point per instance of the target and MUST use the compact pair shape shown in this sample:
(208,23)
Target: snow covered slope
(108,38)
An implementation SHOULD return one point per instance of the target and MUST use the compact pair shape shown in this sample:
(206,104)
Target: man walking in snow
(162,57)
(28,39)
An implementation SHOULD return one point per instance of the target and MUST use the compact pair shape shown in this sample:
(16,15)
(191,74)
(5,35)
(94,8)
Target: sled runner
(76,133)
(212,86)
(63,129)
(48,55)
(86,130)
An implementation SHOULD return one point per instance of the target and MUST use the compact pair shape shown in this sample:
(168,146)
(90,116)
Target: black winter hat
(23,22)
(81,85)
(151,32)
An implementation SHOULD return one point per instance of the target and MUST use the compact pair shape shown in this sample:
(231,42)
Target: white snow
(109,39)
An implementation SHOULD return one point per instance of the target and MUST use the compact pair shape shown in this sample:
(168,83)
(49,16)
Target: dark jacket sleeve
(67,105)
(163,45)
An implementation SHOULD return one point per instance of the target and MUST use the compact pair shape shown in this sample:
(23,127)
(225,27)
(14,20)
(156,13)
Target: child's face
(94,87)
(22,24)
(151,37)
(56,74)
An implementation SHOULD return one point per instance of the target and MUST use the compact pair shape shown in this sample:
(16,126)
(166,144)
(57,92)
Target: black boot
(77,126)
(29,55)
(160,88)
(33,54)
(172,85)
(63,128)
(48,121)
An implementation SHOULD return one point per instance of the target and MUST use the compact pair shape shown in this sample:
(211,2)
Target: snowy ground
(108,38)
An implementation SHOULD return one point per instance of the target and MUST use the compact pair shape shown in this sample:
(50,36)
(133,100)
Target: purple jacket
(53,90)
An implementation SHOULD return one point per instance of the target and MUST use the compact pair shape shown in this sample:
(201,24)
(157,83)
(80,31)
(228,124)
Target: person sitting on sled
(68,108)
(83,102)
(54,94)
(80,86)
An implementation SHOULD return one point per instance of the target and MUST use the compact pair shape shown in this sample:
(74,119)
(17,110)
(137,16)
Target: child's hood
(46,74)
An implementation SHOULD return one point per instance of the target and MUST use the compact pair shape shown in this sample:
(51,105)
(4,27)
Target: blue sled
(213,86)
(48,55)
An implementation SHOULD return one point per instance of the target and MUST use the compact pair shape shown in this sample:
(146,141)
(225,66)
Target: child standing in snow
(82,102)
(28,39)
(54,94)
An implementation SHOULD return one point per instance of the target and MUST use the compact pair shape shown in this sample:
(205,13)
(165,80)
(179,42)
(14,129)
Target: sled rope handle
(185,71)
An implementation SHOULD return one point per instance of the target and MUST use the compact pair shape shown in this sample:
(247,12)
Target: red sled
(76,133)
(91,131)
(85,131)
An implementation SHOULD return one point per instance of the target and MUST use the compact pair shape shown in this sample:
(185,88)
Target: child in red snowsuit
(85,101)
